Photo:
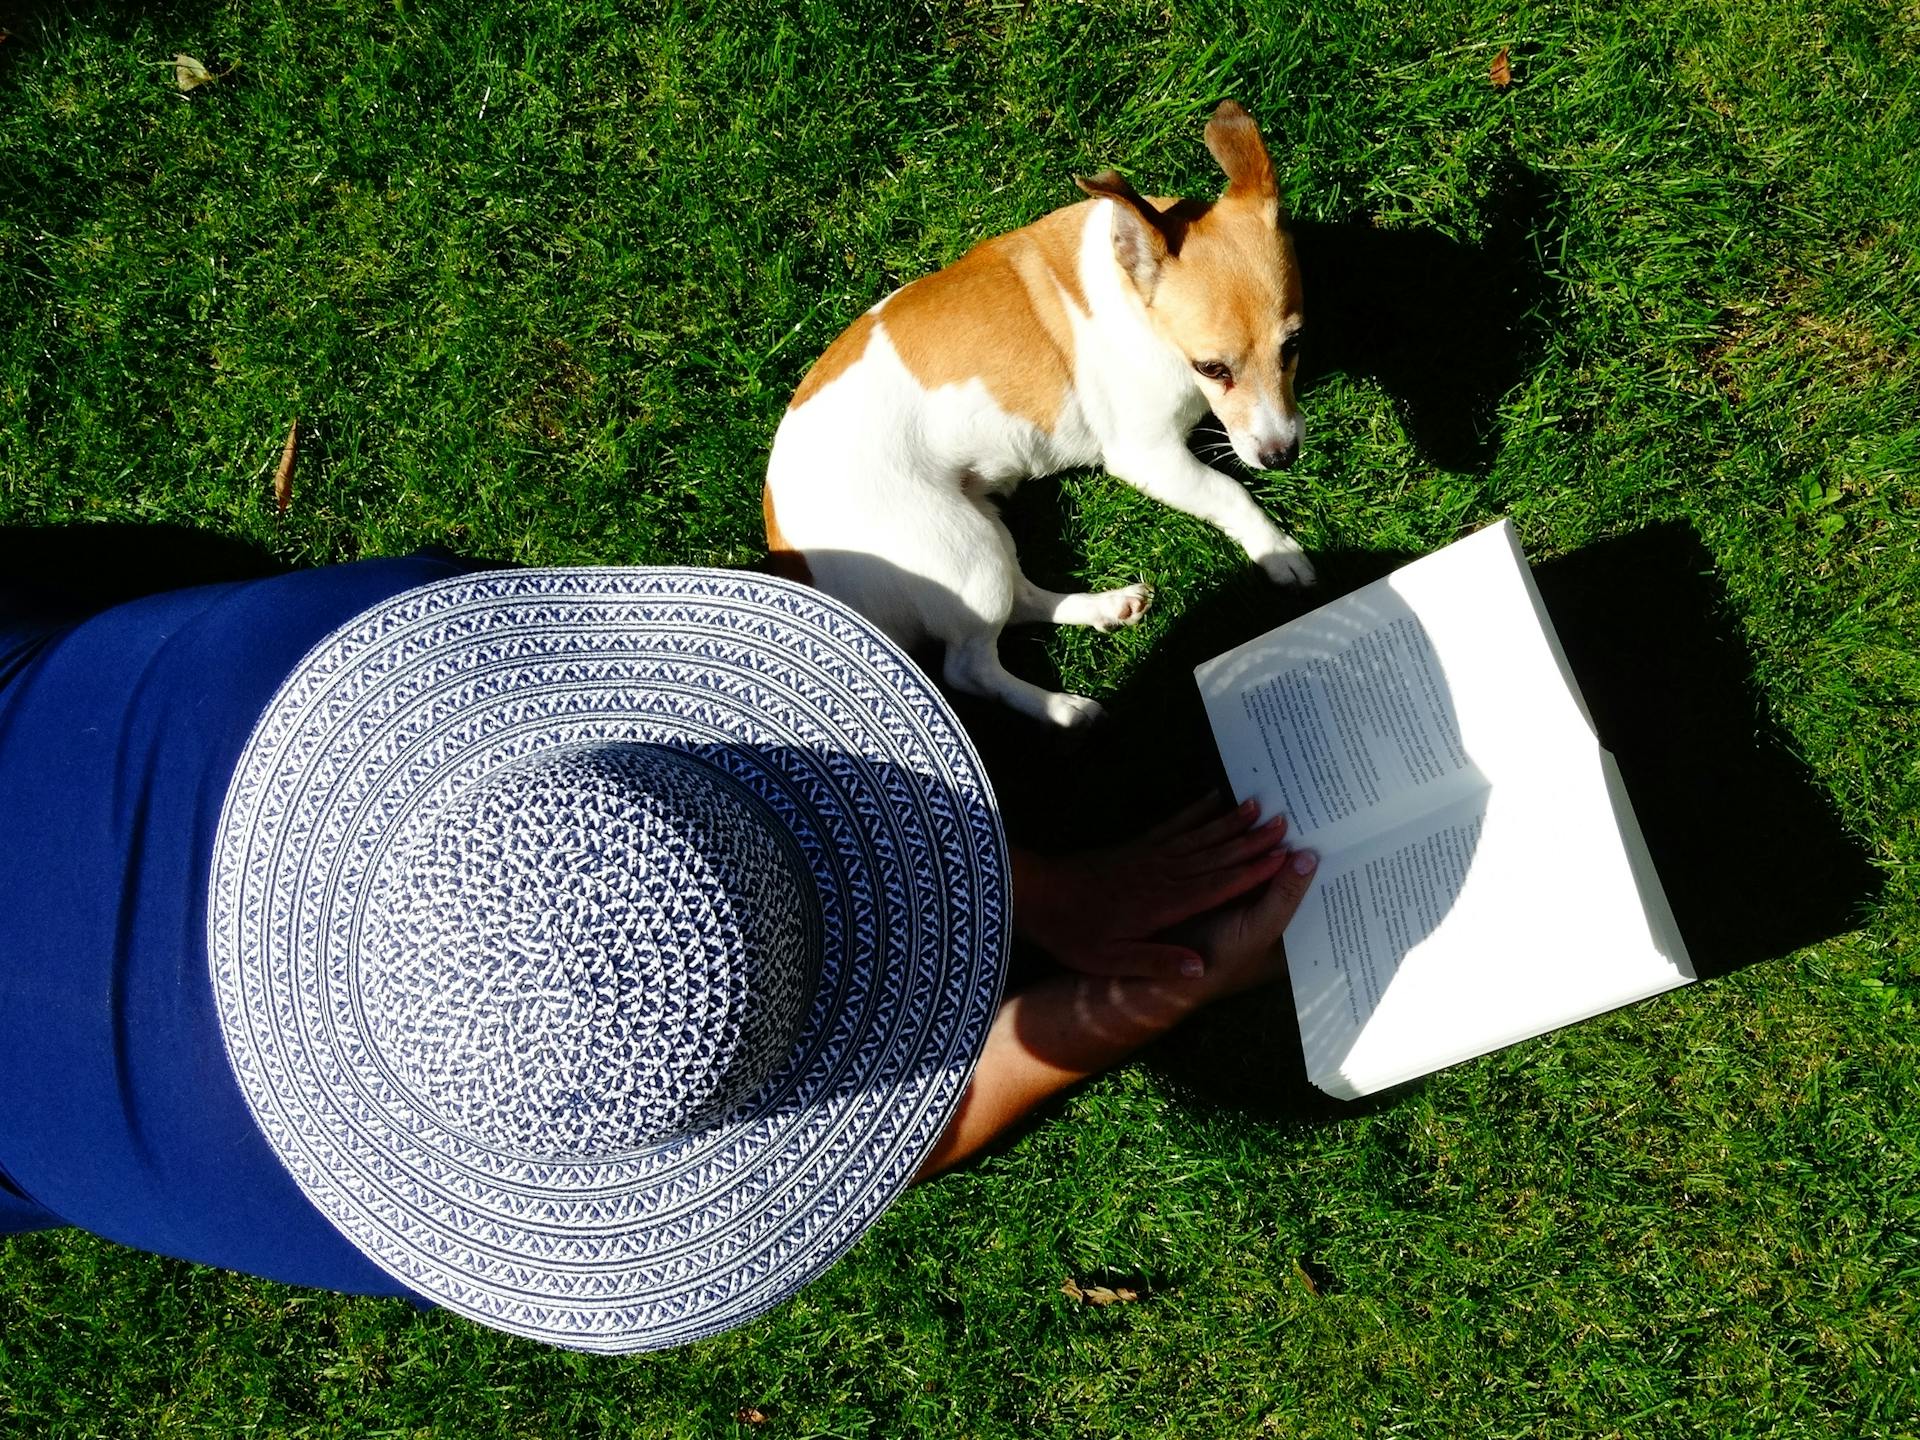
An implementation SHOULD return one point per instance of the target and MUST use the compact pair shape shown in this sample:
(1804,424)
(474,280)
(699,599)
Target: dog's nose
(1279,457)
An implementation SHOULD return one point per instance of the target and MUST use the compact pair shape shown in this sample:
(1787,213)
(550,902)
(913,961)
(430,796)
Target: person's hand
(1241,942)
(1102,912)
(1068,1026)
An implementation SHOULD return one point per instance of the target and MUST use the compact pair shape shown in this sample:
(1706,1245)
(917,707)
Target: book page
(1504,915)
(1653,898)
(1339,717)
(1367,911)
(1403,696)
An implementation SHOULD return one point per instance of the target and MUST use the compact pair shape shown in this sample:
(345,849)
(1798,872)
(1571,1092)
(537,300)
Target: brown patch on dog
(1231,296)
(835,360)
(1240,260)
(999,314)
(1235,142)
(782,559)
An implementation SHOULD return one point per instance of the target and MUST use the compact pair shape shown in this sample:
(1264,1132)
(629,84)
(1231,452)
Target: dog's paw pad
(1126,605)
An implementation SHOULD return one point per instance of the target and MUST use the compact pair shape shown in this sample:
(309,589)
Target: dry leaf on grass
(1307,1280)
(1097,1294)
(283,475)
(1501,73)
(190,74)
(747,1415)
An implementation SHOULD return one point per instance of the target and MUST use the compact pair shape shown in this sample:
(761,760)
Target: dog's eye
(1290,349)
(1214,370)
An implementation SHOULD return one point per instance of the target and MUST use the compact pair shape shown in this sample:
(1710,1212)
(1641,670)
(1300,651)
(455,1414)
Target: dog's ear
(1142,236)
(1235,142)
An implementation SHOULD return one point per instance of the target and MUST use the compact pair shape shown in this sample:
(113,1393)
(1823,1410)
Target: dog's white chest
(1012,449)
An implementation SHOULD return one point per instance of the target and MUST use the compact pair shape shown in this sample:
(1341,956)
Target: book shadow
(1668,679)
(1715,783)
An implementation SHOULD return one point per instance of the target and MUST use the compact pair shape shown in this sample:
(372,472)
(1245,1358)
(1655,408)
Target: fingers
(1194,884)
(1214,888)
(1203,833)
(1143,959)
(1275,909)
(1234,850)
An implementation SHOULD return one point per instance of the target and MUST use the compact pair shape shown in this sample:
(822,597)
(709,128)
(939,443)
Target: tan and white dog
(1098,334)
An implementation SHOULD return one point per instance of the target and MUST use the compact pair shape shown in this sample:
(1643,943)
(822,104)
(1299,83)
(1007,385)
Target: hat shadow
(905,924)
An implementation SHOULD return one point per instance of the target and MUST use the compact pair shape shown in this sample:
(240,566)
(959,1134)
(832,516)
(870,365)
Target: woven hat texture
(602,951)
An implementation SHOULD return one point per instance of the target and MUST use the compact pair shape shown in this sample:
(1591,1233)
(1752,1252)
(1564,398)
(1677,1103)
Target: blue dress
(118,1112)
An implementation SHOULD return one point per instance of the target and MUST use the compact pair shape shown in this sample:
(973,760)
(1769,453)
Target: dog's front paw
(1288,567)
(1074,712)
(1124,606)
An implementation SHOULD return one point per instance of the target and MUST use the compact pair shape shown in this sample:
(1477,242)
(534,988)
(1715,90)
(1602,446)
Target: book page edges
(1345,1085)
(1546,628)
(1653,896)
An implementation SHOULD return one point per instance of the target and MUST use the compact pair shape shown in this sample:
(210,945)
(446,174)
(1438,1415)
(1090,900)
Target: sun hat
(603,950)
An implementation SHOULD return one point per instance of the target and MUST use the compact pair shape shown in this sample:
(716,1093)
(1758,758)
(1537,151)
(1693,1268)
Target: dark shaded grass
(536,283)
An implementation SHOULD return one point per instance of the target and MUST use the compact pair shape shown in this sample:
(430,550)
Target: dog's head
(1220,284)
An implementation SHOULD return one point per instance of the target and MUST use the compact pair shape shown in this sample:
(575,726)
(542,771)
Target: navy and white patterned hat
(602,951)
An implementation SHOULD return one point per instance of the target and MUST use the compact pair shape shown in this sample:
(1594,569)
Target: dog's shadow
(1667,677)
(1447,329)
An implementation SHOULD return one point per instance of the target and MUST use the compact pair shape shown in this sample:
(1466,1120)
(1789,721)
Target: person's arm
(1069,1027)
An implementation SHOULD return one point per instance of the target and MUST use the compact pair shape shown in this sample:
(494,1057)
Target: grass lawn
(536,280)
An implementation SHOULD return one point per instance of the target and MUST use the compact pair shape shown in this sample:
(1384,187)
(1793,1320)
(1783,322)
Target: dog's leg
(966,585)
(1171,475)
(973,665)
(1102,609)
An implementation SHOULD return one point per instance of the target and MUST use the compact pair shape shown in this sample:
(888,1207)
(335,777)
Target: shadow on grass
(1446,329)
(1753,857)
(1646,627)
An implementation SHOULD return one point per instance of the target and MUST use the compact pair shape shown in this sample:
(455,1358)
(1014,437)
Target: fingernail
(1192,968)
(1304,862)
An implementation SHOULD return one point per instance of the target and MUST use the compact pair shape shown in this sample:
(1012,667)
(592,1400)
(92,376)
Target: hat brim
(800,701)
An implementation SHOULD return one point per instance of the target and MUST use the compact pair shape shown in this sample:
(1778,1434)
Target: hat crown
(595,950)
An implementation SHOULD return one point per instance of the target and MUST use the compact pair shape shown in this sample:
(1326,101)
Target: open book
(1482,878)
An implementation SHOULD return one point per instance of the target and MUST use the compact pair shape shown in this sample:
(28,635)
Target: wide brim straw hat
(603,950)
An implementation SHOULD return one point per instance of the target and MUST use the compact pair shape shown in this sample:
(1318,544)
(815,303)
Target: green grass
(536,281)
